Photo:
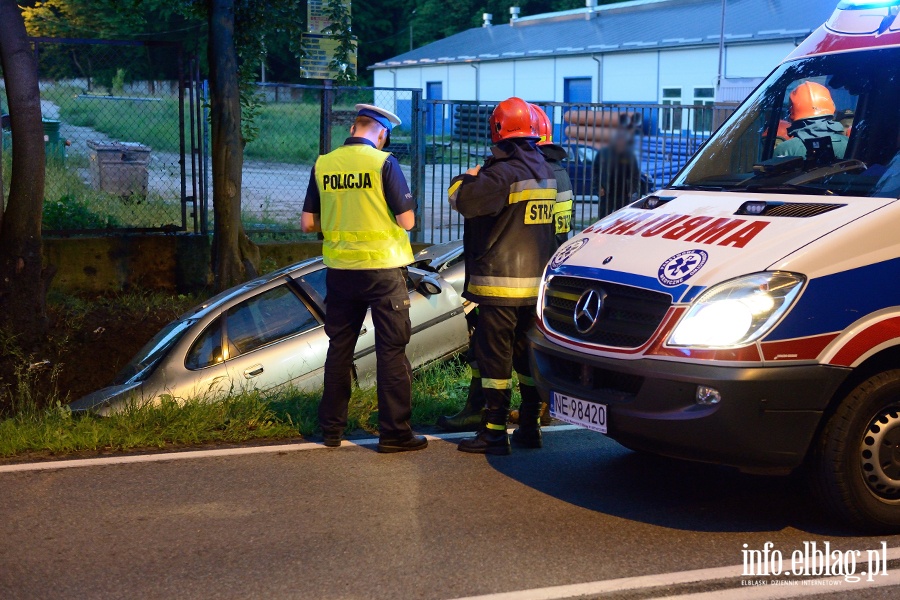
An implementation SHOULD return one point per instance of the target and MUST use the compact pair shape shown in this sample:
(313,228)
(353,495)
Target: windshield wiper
(845,166)
(696,187)
(786,188)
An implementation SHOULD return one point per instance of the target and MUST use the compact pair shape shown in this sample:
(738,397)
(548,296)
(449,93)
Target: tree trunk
(23,281)
(235,257)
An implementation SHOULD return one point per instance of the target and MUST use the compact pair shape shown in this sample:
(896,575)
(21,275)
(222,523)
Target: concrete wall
(172,263)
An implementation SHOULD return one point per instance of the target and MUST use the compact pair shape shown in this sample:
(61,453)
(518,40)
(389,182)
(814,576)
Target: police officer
(360,201)
(812,117)
(508,239)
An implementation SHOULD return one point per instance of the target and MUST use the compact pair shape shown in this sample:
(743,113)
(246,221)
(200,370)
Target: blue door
(434,90)
(578,90)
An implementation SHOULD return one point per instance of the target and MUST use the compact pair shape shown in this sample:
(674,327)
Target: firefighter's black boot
(491,437)
(470,417)
(528,435)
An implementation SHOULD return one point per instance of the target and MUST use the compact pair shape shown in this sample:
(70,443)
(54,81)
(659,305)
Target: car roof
(294,270)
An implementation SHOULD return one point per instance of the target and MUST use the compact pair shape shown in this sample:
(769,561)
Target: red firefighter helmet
(811,99)
(512,119)
(543,125)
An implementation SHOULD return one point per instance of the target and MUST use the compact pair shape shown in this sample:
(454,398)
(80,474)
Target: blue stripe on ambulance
(638,281)
(832,302)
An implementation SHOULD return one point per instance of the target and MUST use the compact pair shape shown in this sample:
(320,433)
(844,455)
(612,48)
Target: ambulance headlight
(737,312)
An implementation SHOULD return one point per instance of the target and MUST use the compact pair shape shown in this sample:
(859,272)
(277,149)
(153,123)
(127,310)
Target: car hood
(106,398)
(697,239)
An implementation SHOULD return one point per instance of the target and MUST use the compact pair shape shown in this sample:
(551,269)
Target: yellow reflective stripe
(454,189)
(532,189)
(525,379)
(496,384)
(503,292)
(476,374)
(344,254)
(562,207)
(523,282)
(525,195)
(495,427)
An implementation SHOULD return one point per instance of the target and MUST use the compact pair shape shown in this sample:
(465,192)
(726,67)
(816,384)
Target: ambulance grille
(799,210)
(629,317)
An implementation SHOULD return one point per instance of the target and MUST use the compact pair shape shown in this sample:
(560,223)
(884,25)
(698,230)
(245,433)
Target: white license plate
(584,413)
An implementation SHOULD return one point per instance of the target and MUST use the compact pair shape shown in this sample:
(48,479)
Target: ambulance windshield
(818,125)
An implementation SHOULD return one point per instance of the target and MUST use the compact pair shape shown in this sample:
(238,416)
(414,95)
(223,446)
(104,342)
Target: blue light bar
(859,4)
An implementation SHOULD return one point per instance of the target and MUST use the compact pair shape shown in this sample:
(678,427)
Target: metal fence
(613,153)
(123,127)
(127,135)
(293,125)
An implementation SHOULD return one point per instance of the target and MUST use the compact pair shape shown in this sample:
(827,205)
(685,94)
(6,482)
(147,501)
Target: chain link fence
(292,125)
(117,122)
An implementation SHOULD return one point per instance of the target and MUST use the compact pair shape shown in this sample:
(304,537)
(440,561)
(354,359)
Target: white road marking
(811,587)
(627,584)
(192,454)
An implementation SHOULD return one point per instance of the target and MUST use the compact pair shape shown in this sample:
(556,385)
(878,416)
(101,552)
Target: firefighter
(562,210)
(360,201)
(812,117)
(508,238)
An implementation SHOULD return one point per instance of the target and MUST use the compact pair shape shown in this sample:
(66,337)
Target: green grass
(438,389)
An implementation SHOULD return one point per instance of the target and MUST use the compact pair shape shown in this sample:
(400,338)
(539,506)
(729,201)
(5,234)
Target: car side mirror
(429,286)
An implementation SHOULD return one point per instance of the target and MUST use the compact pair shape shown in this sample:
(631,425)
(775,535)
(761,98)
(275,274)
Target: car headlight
(737,312)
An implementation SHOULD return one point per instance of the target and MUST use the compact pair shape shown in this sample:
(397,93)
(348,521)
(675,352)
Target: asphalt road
(350,523)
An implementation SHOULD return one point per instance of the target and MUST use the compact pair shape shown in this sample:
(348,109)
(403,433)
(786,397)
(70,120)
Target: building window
(671,117)
(703,118)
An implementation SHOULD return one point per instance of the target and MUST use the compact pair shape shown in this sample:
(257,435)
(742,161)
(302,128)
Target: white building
(638,52)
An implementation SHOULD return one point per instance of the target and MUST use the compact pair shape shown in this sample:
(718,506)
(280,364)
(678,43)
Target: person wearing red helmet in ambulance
(812,118)
(508,239)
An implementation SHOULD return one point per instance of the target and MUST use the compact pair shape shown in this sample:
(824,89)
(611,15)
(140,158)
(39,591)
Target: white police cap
(383,116)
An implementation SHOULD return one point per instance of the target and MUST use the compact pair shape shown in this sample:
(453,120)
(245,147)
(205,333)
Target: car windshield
(140,367)
(827,125)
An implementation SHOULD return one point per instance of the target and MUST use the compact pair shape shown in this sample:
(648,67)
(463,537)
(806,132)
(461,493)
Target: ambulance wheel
(855,467)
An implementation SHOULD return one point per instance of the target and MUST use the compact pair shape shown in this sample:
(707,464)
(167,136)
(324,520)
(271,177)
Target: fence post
(417,163)
(325,117)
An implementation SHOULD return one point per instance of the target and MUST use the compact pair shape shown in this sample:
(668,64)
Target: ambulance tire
(855,463)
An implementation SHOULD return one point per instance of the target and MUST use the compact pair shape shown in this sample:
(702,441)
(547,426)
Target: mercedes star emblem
(588,310)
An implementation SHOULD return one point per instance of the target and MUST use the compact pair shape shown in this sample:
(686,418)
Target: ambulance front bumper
(764,422)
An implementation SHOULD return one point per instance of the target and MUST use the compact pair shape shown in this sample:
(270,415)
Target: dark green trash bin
(54,145)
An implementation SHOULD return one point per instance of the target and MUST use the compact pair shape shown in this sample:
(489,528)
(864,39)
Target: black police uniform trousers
(349,294)
(501,345)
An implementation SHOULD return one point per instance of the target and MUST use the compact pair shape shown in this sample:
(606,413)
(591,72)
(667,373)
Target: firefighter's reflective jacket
(509,229)
(563,209)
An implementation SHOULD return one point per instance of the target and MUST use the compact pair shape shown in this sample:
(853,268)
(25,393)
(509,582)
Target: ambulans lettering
(346,181)
(722,231)
(539,212)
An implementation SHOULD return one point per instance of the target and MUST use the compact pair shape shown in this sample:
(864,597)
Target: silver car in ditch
(268,334)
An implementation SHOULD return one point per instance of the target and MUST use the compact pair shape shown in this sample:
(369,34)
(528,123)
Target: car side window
(207,350)
(315,282)
(265,318)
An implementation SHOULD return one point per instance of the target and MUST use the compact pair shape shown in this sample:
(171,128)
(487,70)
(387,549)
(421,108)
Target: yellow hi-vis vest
(359,230)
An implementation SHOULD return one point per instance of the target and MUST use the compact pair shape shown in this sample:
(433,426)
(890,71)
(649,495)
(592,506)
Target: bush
(70,212)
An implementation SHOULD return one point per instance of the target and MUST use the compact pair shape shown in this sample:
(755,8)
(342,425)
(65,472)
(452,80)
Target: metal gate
(124,129)
(596,138)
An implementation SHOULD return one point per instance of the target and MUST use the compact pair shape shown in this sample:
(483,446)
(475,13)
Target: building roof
(628,26)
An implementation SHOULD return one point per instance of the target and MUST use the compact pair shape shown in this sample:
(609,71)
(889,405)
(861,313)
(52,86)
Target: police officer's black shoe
(488,441)
(468,419)
(527,437)
(416,442)
(332,440)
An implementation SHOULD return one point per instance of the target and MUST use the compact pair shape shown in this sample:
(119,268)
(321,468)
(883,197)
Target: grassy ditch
(54,430)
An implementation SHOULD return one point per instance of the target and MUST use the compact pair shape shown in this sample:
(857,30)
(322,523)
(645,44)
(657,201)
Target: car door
(274,339)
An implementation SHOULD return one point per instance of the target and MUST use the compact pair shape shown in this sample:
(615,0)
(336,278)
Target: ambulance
(748,314)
